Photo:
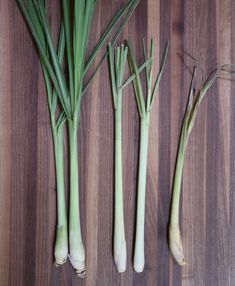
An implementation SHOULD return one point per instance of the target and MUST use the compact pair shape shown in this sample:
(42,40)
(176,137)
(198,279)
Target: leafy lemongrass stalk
(195,98)
(70,90)
(57,125)
(144,107)
(117,69)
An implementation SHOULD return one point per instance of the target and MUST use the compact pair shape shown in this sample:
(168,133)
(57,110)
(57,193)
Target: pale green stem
(61,242)
(175,241)
(139,258)
(174,219)
(119,229)
(76,248)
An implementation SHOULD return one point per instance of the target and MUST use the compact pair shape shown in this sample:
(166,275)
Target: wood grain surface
(203,28)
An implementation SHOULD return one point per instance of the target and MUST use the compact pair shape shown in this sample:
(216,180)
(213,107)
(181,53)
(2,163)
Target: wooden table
(203,28)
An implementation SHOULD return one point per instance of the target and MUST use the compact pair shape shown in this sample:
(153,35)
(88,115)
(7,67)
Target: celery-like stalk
(144,107)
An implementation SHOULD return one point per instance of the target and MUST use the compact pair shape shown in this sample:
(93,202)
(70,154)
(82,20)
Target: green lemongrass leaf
(58,70)
(112,75)
(48,85)
(68,40)
(38,28)
(127,9)
(150,66)
(117,61)
(60,53)
(136,81)
(125,20)
(144,50)
(90,7)
(79,71)
(125,53)
(191,92)
(146,57)
(121,67)
(78,50)
(156,86)
(140,69)
(149,73)
(52,94)
(116,35)
(60,122)
(42,52)
(40,41)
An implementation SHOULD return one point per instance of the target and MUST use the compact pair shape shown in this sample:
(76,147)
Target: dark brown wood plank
(5,143)
(203,28)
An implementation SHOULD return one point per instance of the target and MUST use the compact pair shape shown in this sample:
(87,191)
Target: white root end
(120,257)
(79,266)
(175,243)
(138,267)
(139,260)
(77,258)
(60,262)
(61,250)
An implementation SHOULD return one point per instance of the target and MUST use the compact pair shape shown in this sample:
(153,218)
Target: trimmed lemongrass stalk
(195,98)
(144,107)
(70,89)
(139,258)
(117,69)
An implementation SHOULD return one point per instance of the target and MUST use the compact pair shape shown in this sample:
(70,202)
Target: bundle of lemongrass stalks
(65,95)
(144,103)
(66,67)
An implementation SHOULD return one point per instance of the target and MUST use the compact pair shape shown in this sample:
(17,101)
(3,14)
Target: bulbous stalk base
(120,256)
(175,243)
(77,258)
(61,245)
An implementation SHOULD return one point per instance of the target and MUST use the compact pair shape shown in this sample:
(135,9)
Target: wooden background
(205,29)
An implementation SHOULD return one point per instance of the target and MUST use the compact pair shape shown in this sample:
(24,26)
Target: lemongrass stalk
(119,230)
(76,247)
(175,241)
(195,97)
(144,106)
(139,258)
(57,125)
(117,68)
(61,242)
